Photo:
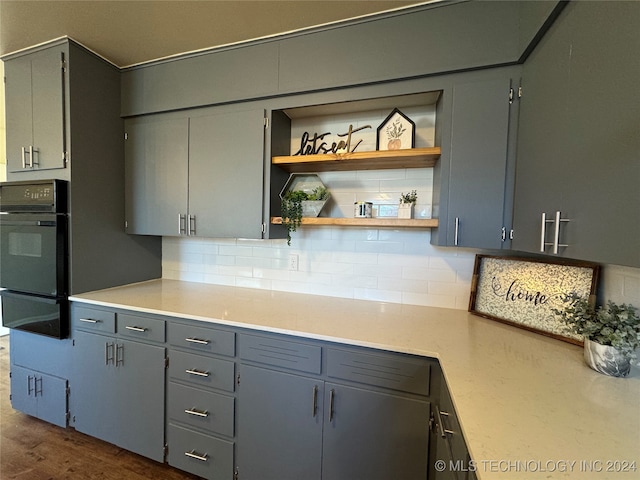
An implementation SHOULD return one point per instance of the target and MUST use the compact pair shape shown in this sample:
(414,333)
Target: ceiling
(131,32)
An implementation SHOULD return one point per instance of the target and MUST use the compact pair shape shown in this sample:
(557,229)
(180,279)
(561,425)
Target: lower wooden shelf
(366,222)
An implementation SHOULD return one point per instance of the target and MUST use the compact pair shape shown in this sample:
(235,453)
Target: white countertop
(528,405)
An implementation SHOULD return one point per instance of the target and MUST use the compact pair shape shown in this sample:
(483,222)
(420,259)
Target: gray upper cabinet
(475,173)
(35,110)
(226,164)
(186,172)
(222,76)
(434,40)
(578,147)
(156,170)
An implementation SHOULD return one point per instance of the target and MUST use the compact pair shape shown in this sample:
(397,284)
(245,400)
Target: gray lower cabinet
(577,148)
(186,171)
(449,457)
(200,400)
(118,383)
(296,419)
(39,395)
(39,371)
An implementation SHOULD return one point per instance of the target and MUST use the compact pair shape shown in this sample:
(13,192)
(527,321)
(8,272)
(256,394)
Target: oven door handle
(33,298)
(28,223)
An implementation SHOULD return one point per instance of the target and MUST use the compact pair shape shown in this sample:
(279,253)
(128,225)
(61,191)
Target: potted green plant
(296,204)
(611,334)
(407,202)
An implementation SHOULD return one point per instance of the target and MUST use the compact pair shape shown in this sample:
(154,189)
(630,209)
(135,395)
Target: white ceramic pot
(405,210)
(606,359)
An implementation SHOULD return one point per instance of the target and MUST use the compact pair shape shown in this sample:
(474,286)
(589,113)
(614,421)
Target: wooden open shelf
(366,222)
(379,159)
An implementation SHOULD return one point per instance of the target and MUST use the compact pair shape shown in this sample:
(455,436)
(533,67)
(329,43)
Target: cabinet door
(35,110)
(578,150)
(279,432)
(119,392)
(226,164)
(156,166)
(95,406)
(477,179)
(140,398)
(22,388)
(373,435)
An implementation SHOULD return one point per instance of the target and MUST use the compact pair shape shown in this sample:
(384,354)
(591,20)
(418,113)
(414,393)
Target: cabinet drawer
(199,454)
(201,409)
(281,353)
(202,339)
(406,374)
(136,326)
(201,371)
(87,318)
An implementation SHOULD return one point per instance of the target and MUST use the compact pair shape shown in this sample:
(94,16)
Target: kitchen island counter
(528,406)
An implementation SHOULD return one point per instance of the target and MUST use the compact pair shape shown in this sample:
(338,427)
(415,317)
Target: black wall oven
(34,256)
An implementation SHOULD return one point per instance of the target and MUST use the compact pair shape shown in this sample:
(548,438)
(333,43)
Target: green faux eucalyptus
(614,325)
(410,197)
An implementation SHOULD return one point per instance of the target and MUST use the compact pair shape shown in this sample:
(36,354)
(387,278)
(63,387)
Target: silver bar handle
(119,354)
(108,358)
(182,224)
(89,320)
(32,158)
(197,413)
(198,341)
(456,231)
(332,394)
(24,157)
(556,238)
(314,404)
(35,386)
(135,329)
(192,454)
(198,373)
(192,224)
(443,430)
(29,385)
(543,231)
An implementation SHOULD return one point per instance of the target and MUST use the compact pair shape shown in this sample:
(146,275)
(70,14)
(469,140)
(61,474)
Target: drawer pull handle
(135,329)
(197,372)
(443,430)
(192,454)
(89,320)
(197,413)
(197,340)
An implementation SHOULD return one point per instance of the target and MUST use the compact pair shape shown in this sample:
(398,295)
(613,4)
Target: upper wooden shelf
(376,160)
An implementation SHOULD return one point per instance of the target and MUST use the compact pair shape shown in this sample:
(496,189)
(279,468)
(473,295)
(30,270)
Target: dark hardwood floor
(31,449)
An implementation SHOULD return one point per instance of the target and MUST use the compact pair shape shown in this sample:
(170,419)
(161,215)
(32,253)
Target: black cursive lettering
(310,146)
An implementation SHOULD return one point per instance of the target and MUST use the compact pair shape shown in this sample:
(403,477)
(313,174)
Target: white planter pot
(606,359)
(405,210)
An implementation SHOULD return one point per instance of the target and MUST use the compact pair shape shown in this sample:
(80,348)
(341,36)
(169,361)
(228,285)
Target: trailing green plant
(410,197)
(614,325)
(291,207)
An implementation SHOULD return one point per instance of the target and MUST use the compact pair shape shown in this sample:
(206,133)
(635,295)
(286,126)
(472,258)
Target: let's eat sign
(523,292)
